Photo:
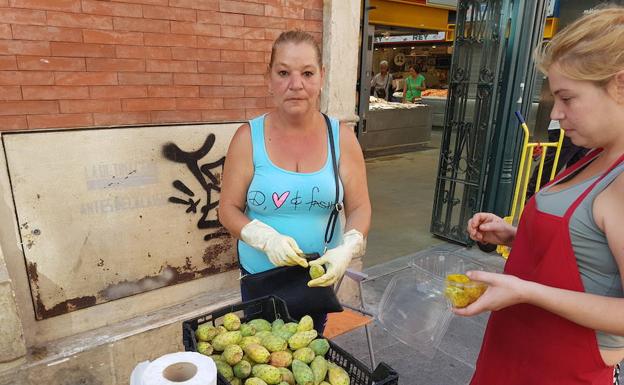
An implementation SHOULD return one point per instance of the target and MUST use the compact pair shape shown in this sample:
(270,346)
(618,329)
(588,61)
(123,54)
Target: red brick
(54,92)
(169,13)
(111,9)
(60,120)
(199,103)
(170,40)
(4,3)
(251,113)
(182,53)
(314,25)
(189,28)
(76,20)
(241,7)
(148,2)
(22,16)
(120,118)
(113,92)
(5,31)
(21,47)
(140,25)
(173,91)
(145,79)
(247,80)
(295,24)
(242,32)
(267,57)
(221,92)
(10,93)
(134,52)
(13,123)
(171,66)
(148,104)
(28,107)
(313,14)
(50,63)
(285,12)
(7,63)
(219,43)
(220,67)
(31,32)
(109,37)
(223,115)
(270,102)
(259,45)
(210,5)
(56,5)
(256,68)
(86,78)
(242,56)
(264,22)
(76,106)
(82,50)
(26,78)
(220,18)
(175,116)
(115,65)
(197,79)
(257,91)
(244,102)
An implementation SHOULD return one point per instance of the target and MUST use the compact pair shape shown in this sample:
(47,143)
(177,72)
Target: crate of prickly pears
(258,343)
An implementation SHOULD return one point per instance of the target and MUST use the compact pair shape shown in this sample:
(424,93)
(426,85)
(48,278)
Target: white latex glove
(337,259)
(281,249)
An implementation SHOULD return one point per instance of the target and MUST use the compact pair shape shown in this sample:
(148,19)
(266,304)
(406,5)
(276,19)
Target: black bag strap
(333,216)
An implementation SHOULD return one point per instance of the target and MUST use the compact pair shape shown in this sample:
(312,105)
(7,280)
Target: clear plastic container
(414,308)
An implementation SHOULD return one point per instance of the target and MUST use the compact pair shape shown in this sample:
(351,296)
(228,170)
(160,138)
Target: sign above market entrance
(413,38)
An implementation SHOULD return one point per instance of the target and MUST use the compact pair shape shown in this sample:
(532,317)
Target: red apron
(525,344)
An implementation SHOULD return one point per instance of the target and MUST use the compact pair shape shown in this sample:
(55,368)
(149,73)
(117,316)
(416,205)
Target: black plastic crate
(271,308)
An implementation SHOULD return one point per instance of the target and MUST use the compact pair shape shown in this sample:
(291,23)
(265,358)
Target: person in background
(557,309)
(414,85)
(279,186)
(381,83)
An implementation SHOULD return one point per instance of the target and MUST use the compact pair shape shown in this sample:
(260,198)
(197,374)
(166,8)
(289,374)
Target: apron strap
(591,155)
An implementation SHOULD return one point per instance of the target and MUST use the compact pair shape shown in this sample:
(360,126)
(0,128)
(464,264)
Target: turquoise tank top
(295,204)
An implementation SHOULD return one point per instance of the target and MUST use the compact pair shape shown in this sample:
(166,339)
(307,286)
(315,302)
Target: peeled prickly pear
(247,330)
(231,322)
(274,343)
(269,374)
(254,381)
(305,323)
(287,376)
(301,339)
(258,353)
(206,332)
(225,339)
(316,271)
(260,324)
(224,369)
(304,354)
(320,346)
(204,348)
(337,375)
(242,369)
(319,368)
(232,354)
(281,359)
(302,372)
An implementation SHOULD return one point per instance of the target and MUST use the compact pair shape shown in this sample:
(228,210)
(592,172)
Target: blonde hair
(296,37)
(590,49)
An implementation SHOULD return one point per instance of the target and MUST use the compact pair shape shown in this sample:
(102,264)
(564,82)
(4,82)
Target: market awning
(410,14)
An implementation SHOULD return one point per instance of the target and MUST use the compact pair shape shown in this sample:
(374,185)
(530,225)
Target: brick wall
(77,63)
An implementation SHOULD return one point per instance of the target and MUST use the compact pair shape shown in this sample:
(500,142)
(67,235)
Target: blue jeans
(320,319)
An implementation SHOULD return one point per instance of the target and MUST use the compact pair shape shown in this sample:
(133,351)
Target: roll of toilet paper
(185,368)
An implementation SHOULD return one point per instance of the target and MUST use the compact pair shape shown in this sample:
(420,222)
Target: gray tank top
(597,266)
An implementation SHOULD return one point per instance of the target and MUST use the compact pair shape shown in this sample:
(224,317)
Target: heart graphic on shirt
(279,200)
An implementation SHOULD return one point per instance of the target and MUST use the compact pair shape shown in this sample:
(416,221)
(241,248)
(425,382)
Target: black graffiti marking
(313,202)
(219,234)
(192,205)
(296,200)
(182,187)
(256,198)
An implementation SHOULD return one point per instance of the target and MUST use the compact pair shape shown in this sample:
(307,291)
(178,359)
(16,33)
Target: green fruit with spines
(302,339)
(247,330)
(277,324)
(204,348)
(249,340)
(216,357)
(291,327)
(260,324)
(337,375)
(206,332)
(302,372)
(281,359)
(221,329)
(320,346)
(274,343)
(283,333)
(225,339)
(287,376)
(324,383)
(269,374)
(224,369)
(232,354)
(236,381)
(304,354)
(283,383)
(263,334)
(316,271)
(242,369)
(254,381)
(231,322)
(305,323)
(319,368)
(258,353)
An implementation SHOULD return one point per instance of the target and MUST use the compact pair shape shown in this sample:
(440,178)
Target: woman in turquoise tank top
(278,184)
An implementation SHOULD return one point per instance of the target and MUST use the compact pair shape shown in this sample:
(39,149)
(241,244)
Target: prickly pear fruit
(247,330)
(320,346)
(204,348)
(301,339)
(225,339)
(316,271)
(324,383)
(283,383)
(337,375)
(224,369)
(231,322)
(236,381)
(249,340)
(254,381)
(260,324)
(221,329)
(216,357)
(274,343)
(206,332)
(283,333)
(304,354)
(258,353)
(269,374)
(291,327)
(319,368)
(242,369)
(302,372)
(287,376)
(281,359)
(232,354)
(277,324)
(305,323)
(263,334)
